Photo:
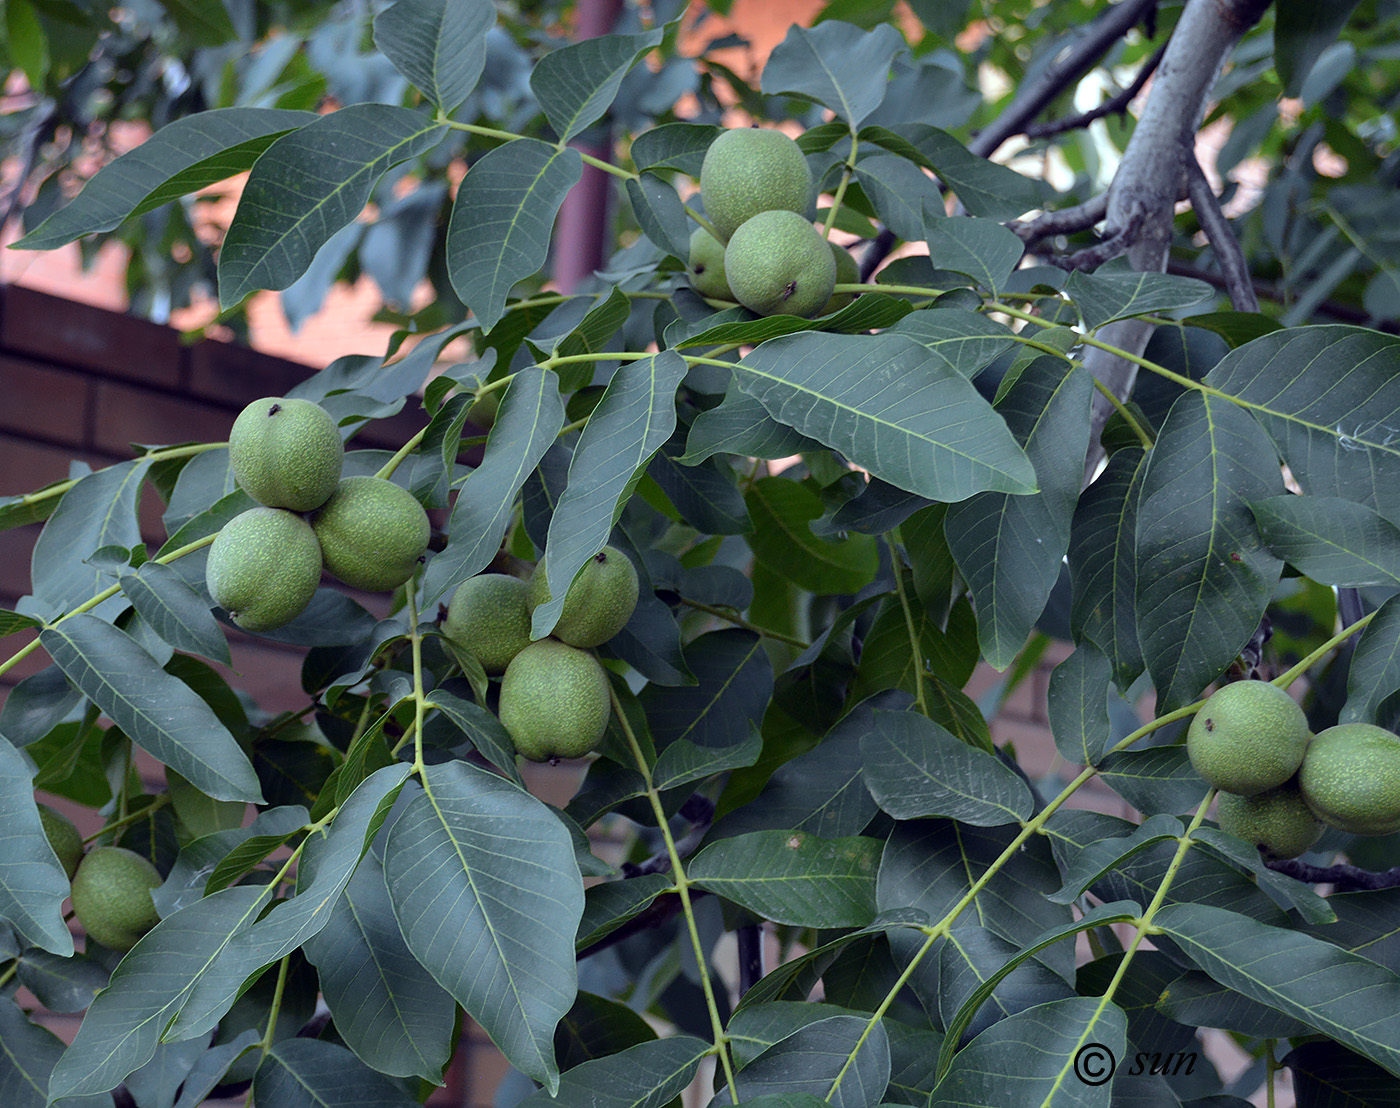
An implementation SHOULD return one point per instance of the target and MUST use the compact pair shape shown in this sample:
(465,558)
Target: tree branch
(1036,96)
(1117,104)
(1153,174)
(1062,222)
(1343,878)
(1230,257)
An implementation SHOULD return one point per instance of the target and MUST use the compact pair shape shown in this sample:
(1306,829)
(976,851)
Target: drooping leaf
(1103,297)
(1046,1042)
(1103,564)
(488,897)
(61,984)
(660,213)
(915,768)
(647,1075)
(527,423)
(684,761)
(1010,548)
(739,424)
(33,885)
(610,904)
(386,1007)
(890,406)
(1301,33)
(439,45)
(308,185)
(98,511)
(734,683)
(1374,676)
(576,84)
(814,1060)
(158,712)
(122,1028)
(36,706)
(635,416)
(27,1056)
(1203,574)
(328,862)
(782,512)
(1333,541)
(1077,703)
(793,877)
(982,248)
(174,611)
(986,188)
(898,189)
(966,342)
(182,157)
(1329,397)
(835,64)
(502,220)
(1349,998)
(310,1073)
(971,956)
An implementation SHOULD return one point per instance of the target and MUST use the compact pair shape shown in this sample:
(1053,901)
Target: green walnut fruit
(372,533)
(286,453)
(778,264)
(1279,821)
(112,896)
(263,568)
(1249,736)
(752,170)
(64,837)
(706,268)
(490,617)
(847,273)
(554,701)
(1351,778)
(598,603)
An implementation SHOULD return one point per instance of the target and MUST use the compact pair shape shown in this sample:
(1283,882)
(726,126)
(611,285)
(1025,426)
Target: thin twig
(1342,878)
(1114,105)
(1091,257)
(1062,222)
(1222,238)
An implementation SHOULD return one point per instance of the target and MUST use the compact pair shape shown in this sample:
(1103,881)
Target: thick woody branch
(1222,238)
(1036,96)
(1153,172)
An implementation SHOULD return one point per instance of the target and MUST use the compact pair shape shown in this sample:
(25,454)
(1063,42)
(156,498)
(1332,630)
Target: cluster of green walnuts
(1279,783)
(110,885)
(757,191)
(554,697)
(266,563)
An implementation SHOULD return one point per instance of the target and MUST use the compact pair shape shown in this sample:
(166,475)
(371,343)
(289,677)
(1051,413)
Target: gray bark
(1153,173)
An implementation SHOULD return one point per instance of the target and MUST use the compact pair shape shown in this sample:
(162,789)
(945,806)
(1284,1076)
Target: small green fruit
(490,617)
(554,701)
(112,896)
(1278,821)
(286,453)
(778,263)
(64,837)
(599,602)
(752,170)
(847,273)
(263,568)
(372,533)
(1351,778)
(1248,737)
(706,267)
